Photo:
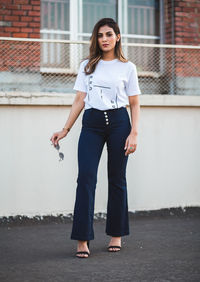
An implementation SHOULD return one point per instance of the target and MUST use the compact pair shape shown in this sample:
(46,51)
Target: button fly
(106,118)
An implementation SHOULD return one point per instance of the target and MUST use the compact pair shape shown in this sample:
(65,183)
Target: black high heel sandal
(114,247)
(83,252)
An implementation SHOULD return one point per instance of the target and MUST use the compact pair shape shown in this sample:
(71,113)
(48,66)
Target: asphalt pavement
(159,249)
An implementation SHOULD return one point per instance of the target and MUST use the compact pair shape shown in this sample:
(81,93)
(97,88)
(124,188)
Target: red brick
(191,34)
(34,13)
(195,25)
(177,28)
(188,20)
(178,19)
(180,34)
(1,18)
(181,14)
(20,1)
(192,10)
(36,30)
(178,9)
(189,29)
(35,2)
(194,16)
(4,34)
(36,8)
(34,35)
(181,24)
(12,7)
(26,7)
(36,19)
(24,35)
(12,29)
(197,5)
(26,19)
(28,29)
(11,18)
(19,13)
(6,1)
(19,24)
(5,12)
(182,4)
(34,24)
(22,46)
(4,68)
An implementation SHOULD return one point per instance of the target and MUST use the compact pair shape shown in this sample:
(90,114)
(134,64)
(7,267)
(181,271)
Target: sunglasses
(61,155)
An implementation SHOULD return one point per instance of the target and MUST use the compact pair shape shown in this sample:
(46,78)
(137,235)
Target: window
(94,10)
(139,22)
(55,25)
(143,27)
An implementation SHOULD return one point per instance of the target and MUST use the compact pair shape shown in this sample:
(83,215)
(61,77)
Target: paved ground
(159,249)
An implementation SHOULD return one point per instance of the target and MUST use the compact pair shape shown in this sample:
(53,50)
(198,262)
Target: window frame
(76,33)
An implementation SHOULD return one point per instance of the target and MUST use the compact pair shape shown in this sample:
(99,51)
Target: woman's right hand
(57,136)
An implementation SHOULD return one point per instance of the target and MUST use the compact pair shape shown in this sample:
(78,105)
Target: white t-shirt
(109,86)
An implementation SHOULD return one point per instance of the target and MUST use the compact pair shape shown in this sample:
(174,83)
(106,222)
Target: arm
(131,140)
(135,113)
(76,109)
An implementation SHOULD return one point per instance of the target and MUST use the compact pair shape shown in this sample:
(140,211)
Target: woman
(105,84)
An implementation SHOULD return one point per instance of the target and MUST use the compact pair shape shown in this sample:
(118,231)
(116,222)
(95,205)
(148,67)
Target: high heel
(84,252)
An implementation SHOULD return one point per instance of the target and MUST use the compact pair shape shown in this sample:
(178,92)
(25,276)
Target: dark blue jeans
(99,127)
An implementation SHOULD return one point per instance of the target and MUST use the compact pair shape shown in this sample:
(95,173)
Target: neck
(108,56)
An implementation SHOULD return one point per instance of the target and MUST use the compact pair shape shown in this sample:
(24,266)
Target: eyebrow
(106,32)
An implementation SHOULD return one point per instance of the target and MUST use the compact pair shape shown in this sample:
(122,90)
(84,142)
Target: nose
(104,38)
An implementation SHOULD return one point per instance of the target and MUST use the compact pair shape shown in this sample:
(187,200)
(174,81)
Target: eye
(109,34)
(99,35)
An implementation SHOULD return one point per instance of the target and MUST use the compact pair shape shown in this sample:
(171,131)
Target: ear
(118,37)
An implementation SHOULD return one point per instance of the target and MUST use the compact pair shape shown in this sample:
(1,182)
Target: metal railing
(49,65)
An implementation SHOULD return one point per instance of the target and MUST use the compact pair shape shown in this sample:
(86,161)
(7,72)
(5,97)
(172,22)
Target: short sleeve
(132,85)
(80,83)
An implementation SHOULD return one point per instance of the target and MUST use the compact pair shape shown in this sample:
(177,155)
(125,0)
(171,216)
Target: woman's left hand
(131,144)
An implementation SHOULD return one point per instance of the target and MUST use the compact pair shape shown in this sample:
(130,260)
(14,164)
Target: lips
(105,45)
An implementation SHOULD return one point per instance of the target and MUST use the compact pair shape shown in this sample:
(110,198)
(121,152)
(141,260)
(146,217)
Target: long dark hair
(95,52)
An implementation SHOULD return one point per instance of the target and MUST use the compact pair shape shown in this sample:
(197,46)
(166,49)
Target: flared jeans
(99,127)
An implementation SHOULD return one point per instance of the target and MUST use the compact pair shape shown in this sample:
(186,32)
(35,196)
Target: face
(107,38)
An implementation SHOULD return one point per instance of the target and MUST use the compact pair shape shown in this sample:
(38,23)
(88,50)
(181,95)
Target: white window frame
(76,32)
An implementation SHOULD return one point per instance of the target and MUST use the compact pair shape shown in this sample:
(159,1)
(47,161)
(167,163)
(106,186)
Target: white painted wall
(162,173)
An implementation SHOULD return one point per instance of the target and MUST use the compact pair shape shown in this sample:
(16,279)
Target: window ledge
(149,74)
(66,99)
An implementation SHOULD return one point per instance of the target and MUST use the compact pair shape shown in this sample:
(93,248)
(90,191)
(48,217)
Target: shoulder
(84,62)
(130,65)
(127,66)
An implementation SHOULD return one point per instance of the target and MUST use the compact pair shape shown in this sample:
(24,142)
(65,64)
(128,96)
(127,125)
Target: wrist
(66,129)
(135,133)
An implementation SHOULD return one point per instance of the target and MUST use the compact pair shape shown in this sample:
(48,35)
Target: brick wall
(186,32)
(21,19)
(186,22)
